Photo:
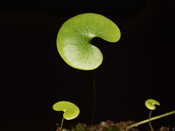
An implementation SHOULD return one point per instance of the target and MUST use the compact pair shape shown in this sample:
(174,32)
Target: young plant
(74,41)
(150,104)
(71,111)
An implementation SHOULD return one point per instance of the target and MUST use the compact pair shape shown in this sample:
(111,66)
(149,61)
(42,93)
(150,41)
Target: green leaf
(75,35)
(70,110)
(150,104)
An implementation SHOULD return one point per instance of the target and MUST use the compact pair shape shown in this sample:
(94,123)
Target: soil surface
(111,126)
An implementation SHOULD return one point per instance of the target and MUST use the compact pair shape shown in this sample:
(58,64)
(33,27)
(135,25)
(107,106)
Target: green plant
(75,48)
(74,42)
(70,110)
(150,104)
(75,35)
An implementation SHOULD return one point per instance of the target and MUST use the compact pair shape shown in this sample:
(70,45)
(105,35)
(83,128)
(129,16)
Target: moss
(103,126)
(113,128)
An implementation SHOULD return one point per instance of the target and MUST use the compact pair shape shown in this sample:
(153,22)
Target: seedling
(71,111)
(75,35)
(74,41)
(150,104)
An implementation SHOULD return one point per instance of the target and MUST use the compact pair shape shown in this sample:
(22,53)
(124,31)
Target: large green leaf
(75,35)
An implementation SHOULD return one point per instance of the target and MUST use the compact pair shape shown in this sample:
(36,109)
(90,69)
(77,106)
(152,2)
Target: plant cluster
(75,48)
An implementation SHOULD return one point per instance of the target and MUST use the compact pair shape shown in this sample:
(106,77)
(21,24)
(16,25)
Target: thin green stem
(150,125)
(62,124)
(94,97)
(151,119)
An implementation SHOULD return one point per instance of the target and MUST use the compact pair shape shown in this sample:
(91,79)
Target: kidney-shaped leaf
(75,35)
(150,104)
(70,110)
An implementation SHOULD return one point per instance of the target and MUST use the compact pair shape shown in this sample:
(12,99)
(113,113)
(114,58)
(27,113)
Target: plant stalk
(62,124)
(150,125)
(94,97)
(151,119)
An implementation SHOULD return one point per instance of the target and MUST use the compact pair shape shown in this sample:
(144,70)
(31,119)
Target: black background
(34,76)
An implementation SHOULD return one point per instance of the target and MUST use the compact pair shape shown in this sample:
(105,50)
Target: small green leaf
(150,104)
(75,35)
(70,110)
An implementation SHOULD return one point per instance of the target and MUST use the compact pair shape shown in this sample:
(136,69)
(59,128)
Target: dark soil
(111,126)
